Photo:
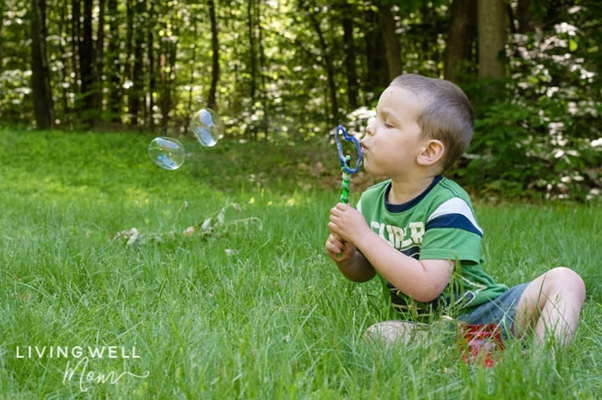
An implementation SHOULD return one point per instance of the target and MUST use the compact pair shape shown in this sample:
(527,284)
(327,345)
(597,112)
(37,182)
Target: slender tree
(193,61)
(1,26)
(460,38)
(99,59)
(262,68)
(164,73)
(492,38)
(391,43)
(211,99)
(129,46)
(168,63)
(66,86)
(137,89)
(377,72)
(326,57)
(252,63)
(152,83)
(525,17)
(40,79)
(76,11)
(86,62)
(350,54)
(114,72)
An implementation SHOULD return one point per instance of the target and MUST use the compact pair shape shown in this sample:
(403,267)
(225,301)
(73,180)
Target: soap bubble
(167,153)
(207,126)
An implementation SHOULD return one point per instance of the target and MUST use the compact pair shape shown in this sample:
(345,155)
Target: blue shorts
(500,311)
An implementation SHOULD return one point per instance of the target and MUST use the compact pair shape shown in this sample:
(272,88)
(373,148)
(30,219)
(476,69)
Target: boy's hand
(347,223)
(339,250)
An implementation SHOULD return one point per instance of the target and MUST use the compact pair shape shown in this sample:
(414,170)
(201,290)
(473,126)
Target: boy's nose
(370,130)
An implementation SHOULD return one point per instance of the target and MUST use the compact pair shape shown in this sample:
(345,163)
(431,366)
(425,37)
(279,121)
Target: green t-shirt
(438,224)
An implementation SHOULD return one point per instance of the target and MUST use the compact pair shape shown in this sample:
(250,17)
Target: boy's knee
(565,279)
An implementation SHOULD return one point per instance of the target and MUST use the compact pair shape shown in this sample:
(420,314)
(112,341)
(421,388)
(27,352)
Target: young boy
(418,230)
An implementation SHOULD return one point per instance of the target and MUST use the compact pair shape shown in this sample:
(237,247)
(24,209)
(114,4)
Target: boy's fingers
(341,206)
(333,248)
(334,241)
(337,239)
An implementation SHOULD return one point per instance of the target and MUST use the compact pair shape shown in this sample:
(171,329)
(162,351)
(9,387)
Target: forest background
(287,72)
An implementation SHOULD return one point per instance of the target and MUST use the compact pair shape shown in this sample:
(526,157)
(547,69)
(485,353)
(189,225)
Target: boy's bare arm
(352,264)
(422,280)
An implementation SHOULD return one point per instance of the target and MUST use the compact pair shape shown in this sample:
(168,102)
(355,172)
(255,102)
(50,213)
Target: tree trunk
(262,68)
(165,102)
(67,88)
(137,89)
(392,48)
(328,65)
(86,61)
(40,78)
(211,99)
(377,73)
(99,58)
(492,38)
(1,25)
(252,64)
(168,71)
(129,39)
(195,29)
(349,49)
(460,39)
(524,16)
(151,67)
(113,72)
(75,38)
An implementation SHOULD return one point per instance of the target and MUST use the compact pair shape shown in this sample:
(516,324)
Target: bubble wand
(346,161)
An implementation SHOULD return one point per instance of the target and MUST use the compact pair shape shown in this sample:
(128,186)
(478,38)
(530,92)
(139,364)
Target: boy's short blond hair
(447,115)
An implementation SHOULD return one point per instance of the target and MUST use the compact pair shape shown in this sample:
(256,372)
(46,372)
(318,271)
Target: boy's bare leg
(551,305)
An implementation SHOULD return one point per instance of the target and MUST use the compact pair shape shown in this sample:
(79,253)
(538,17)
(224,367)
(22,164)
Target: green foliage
(538,135)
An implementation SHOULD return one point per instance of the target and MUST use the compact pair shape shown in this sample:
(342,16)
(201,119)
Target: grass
(240,312)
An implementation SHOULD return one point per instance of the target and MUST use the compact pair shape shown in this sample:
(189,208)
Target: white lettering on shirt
(400,238)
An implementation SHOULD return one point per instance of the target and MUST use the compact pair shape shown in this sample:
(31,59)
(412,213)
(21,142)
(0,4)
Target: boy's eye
(388,125)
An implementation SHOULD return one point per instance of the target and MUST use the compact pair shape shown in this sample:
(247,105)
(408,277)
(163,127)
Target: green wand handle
(346,178)
(345,184)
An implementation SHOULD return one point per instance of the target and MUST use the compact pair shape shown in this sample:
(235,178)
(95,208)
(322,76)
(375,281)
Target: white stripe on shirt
(455,206)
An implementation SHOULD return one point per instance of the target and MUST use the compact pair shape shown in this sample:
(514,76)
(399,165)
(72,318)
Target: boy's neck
(403,191)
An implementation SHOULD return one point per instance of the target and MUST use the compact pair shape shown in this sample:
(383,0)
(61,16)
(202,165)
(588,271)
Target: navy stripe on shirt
(458,221)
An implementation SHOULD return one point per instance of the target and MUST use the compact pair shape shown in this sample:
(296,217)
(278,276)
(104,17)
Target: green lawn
(245,310)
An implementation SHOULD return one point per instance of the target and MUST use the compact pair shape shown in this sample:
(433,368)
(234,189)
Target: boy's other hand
(339,250)
(347,223)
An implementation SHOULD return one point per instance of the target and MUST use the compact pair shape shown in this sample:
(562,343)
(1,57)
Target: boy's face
(392,142)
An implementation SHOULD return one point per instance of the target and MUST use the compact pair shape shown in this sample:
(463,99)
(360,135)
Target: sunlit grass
(241,312)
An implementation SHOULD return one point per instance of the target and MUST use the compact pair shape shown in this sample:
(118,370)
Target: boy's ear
(431,153)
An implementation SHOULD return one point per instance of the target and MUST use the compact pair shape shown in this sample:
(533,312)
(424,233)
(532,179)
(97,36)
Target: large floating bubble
(207,126)
(167,153)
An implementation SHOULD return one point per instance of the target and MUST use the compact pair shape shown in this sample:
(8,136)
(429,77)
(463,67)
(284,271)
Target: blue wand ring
(344,162)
